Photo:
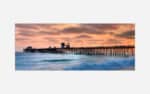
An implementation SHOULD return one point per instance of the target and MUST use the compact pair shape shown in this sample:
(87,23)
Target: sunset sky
(78,35)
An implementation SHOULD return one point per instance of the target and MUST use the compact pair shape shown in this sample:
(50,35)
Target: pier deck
(108,51)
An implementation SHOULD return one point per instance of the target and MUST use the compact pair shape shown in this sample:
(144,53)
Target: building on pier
(62,45)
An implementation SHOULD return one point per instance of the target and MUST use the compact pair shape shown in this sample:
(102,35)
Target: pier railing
(108,51)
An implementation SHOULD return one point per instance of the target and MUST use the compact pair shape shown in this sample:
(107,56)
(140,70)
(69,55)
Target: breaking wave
(126,64)
(38,61)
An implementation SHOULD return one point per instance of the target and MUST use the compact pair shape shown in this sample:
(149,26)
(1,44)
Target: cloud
(127,34)
(112,42)
(83,36)
(43,35)
(48,33)
(95,28)
(53,40)
(81,29)
(27,33)
(65,39)
(22,39)
(94,40)
(52,29)
(26,26)
(101,26)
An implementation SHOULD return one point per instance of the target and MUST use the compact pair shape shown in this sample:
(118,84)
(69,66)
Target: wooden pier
(107,51)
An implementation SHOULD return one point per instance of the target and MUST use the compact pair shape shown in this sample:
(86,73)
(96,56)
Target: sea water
(47,61)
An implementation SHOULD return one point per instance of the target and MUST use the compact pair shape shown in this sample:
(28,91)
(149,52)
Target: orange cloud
(45,35)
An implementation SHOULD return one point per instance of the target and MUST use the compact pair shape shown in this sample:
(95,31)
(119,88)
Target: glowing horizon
(78,35)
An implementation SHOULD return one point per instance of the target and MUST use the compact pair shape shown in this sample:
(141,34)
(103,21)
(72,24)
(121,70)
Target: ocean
(47,61)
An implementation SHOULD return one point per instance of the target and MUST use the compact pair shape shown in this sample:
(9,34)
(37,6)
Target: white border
(77,11)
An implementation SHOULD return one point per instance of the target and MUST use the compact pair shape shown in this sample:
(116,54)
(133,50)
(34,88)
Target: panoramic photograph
(75,46)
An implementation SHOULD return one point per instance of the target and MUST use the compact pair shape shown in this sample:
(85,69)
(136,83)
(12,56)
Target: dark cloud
(26,26)
(79,30)
(101,26)
(29,29)
(91,28)
(127,34)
